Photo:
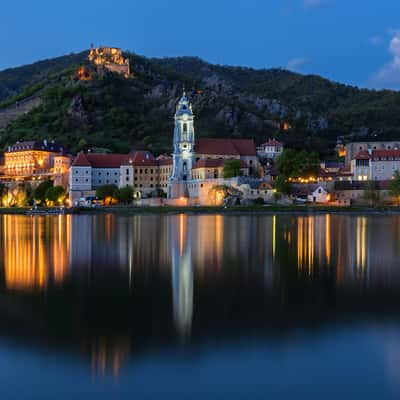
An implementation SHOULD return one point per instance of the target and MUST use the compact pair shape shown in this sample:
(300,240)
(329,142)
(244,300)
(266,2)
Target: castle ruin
(110,58)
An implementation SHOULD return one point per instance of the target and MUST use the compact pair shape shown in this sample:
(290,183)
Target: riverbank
(255,209)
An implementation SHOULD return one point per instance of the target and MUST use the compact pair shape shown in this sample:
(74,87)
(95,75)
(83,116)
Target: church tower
(183,156)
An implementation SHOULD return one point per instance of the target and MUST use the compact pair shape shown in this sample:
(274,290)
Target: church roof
(215,163)
(230,147)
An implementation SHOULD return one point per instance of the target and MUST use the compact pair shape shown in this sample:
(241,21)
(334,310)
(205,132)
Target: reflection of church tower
(183,156)
(182,279)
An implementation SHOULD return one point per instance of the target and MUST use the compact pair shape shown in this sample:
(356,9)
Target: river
(200,307)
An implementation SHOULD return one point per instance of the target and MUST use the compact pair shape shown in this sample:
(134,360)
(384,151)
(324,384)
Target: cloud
(316,3)
(375,40)
(295,64)
(388,76)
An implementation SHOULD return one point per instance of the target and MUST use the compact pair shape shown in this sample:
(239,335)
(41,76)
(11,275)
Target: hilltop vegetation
(118,114)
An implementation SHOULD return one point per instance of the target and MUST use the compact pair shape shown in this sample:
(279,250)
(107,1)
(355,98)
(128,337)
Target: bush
(55,195)
(107,192)
(125,194)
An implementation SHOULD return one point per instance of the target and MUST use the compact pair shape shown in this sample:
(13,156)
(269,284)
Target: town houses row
(195,168)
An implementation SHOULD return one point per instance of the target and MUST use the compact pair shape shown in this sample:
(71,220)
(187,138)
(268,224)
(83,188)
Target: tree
(371,193)
(394,186)
(106,192)
(39,194)
(282,185)
(297,164)
(231,168)
(55,195)
(82,144)
(125,194)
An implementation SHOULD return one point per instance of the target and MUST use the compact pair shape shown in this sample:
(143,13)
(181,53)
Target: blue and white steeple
(183,155)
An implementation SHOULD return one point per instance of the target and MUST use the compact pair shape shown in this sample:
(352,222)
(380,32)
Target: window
(127,171)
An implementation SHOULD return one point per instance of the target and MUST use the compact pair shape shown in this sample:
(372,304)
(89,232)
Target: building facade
(375,165)
(139,169)
(352,149)
(271,149)
(36,161)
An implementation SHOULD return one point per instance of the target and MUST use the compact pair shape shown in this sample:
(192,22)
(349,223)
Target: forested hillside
(111,112)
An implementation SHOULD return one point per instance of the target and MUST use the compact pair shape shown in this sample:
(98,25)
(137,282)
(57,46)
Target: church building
(199,164)
(183,156)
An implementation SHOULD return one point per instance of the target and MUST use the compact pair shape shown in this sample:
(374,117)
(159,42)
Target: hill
(109,111)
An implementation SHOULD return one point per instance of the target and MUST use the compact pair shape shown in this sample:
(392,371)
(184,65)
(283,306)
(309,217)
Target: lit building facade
(37,160)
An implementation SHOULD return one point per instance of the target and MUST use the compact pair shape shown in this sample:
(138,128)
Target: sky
(351,41)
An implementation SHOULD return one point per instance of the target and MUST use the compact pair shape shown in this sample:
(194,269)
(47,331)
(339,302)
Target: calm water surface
(200,307)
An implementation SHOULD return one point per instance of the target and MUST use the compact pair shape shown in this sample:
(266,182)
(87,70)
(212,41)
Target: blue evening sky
(351,41)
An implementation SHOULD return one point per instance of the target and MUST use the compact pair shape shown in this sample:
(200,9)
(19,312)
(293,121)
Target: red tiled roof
(214,163)
(234,147)
(386,153)
(364,154)
(137,158)
(141,158)
(81,160)
(164,161)
(272,142)
(106,160)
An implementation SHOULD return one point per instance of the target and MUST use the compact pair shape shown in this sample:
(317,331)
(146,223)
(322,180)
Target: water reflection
(146,279)
(182,278)
(35,251)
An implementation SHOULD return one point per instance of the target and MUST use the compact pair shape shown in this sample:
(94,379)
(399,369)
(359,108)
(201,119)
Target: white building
(319,195)
(271,149)
(139,169)
(375,165)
